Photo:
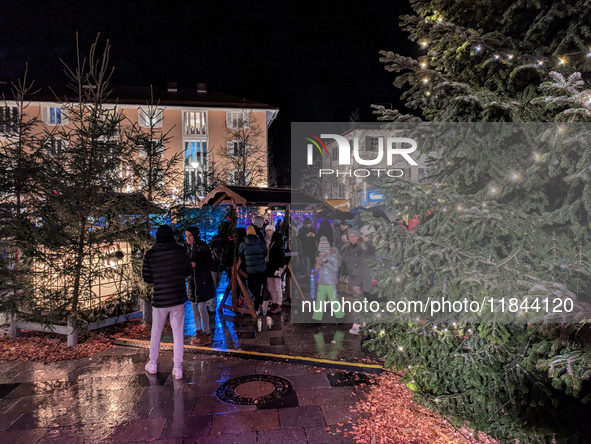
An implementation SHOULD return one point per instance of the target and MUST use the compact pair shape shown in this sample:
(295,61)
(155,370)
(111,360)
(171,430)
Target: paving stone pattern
(110,399)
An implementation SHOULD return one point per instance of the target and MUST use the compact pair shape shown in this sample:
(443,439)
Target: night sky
(315,61)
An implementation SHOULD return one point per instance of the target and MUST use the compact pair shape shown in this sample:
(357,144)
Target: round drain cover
(254,389)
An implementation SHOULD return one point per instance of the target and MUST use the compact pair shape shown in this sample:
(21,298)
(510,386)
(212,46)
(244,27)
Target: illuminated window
(195,153)
(195,122)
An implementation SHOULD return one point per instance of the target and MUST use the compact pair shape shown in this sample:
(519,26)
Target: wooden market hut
(234,196)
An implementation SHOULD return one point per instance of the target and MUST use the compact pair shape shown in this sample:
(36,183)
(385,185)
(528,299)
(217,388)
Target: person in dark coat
(221,250)
(241,234)
(201,287)
(326,230)
(257,223)
(307,237)
(275,263)
(253,251)
(166,266)
(356,254)
(340,234)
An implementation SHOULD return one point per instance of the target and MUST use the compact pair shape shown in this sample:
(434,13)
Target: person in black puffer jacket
(253,252)
(166,266)
(201,286)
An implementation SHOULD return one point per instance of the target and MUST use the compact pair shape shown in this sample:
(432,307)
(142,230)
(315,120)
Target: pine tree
(80,211)
(152,173)
(18,170)
(503,220)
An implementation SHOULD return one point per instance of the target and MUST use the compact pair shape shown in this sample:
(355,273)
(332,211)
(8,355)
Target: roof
(132,95)
(254,196)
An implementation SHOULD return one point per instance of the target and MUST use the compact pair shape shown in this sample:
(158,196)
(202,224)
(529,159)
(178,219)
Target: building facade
(198,123)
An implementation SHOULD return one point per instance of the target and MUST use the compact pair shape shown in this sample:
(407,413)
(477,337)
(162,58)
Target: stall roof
(254,196)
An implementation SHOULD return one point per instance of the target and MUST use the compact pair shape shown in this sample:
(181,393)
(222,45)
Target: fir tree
(504,221)
(79,212)
(18,171)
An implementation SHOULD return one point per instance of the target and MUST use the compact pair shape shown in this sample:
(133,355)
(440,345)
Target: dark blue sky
(316,61)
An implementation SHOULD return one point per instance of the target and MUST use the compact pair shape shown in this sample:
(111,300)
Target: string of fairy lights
(498,55)
(493,190)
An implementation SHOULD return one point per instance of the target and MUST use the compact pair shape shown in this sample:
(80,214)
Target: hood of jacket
(251,239)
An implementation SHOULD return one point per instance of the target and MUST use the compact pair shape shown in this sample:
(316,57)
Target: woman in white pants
(166,266)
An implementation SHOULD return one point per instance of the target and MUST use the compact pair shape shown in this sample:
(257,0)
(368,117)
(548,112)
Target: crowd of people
(339,253)
(193,273)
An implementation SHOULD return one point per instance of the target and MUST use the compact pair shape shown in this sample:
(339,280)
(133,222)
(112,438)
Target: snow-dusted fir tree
(502,220)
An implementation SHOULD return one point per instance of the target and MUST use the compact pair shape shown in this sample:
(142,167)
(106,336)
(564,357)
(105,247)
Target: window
(372,143)
(237,148)
(150,117)
(195,153)
(54,115)
(335,153)
(195,122)
(239,177)
(237,119)
(193,179)
(55,147)
(8,118)
(423,172)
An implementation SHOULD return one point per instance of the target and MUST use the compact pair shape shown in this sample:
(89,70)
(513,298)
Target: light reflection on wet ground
(275,334)
(123,404)
(110,399)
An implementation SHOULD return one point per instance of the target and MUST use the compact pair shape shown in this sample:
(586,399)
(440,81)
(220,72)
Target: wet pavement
(275,334)
(110,399)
